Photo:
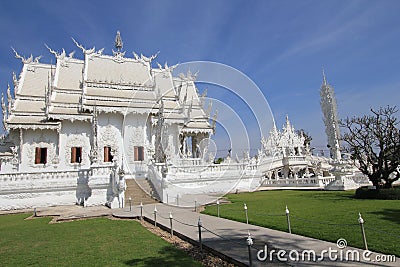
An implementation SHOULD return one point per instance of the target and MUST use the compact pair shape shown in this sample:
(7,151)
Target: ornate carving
(109,138)
(84,50)
(118,55)
(3,107)
(329,109)
(189,77)
(26,60)
(14,160)
(136,139)
(63,58)
(51,152)
(9,99)
(95,147)
(121,85)
(214,120)
(75,140)
(159,150)
(286,142)
(118,41)
(15,82)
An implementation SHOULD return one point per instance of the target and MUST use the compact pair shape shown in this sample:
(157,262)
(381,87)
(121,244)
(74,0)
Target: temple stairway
(141,191)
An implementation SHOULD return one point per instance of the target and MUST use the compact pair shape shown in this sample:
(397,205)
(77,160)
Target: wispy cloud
(338,29)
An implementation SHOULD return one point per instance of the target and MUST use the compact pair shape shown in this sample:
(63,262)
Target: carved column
(21,142)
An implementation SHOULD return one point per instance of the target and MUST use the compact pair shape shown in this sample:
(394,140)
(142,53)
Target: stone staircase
(140,190)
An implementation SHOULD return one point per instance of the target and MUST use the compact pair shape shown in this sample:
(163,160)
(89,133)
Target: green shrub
(385,193)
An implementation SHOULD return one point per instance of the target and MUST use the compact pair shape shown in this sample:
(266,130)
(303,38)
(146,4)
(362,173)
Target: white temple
(81,118)
(79,130)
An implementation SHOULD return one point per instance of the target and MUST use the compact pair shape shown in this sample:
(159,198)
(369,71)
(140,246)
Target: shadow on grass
(168,256)
(392,215)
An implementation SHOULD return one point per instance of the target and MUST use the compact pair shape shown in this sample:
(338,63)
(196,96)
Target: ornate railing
(155,177)
(311,181)
(139,167)
(22,181)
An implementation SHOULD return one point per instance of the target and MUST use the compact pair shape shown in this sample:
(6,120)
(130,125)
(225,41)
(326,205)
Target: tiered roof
(47,94)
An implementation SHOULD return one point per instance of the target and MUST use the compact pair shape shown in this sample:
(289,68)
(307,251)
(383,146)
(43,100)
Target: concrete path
(229,238)
(65,213)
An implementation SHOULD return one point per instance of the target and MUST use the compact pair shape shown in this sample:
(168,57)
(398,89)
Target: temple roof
(69,75)
(47,94)
(34,79)
(112,70)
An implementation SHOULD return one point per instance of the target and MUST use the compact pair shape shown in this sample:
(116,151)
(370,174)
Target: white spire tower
(329,109)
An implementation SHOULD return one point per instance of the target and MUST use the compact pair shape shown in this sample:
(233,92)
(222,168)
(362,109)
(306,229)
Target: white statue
(121,188)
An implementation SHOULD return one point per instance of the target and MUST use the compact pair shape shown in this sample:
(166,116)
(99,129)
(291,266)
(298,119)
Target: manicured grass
(92,242)
(313,212)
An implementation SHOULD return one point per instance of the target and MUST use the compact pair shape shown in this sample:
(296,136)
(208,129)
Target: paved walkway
(65,213)
(229,238)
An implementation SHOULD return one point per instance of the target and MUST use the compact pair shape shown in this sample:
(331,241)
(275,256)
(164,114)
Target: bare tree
(374,143)
(307,136)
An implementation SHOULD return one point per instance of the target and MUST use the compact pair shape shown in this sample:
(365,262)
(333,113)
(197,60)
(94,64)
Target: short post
(247,216)
(130,204)
(249,244)
(218,207)
(167,199)
(195,205)
(288,219)
(199,224)
(361,222)
(177,199)
(170,224)
(34,212)
(141,210)
(155,215)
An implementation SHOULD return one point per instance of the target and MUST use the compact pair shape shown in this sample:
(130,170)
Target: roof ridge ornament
(118,42)
(4,109)
(119,55)
(84,50)
(62,57)
(9,99)
(26,60)
(15,83)
(325,83)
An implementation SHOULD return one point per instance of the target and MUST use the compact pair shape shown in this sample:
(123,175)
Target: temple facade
(87,118)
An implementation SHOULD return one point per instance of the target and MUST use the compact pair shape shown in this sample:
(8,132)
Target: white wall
(38,138)
(74,134)
(135,134)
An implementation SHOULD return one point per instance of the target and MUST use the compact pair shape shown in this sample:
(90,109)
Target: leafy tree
(374,143)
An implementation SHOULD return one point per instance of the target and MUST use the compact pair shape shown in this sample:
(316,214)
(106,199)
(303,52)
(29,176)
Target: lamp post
(155,215)
(287,212)
(249,244)
(247,216)
(218,207)
(361,222)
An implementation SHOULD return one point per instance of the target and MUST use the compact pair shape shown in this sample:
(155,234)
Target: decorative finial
(287,121)
(323,75)
(118,42)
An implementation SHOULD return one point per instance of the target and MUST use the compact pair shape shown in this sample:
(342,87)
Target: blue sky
(281,45)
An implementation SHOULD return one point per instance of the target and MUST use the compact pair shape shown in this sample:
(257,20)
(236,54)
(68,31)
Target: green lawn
(92,242)
(314,213)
